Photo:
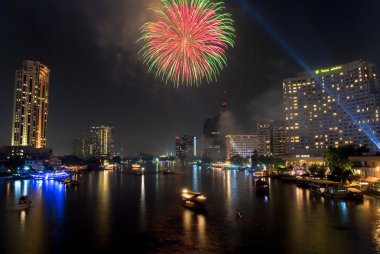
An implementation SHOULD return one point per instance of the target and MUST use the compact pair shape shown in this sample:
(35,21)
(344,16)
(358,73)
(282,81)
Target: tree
(337,158)
(238,160)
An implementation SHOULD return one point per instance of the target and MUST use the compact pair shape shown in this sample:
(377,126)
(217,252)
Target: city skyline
(97,76)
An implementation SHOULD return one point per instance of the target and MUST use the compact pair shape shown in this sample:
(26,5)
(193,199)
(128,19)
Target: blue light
(282,42)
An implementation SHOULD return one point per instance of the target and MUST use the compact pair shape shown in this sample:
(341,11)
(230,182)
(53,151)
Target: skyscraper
(265,134)
(279,139)
(213,139)
(332,107)
(100,142)
(214,144)
(30,108)
(271,135)
(185,146)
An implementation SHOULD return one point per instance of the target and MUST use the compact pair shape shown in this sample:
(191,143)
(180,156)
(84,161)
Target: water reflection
(376,231)
(103,206)
(142,204)
(195,178)
(194,228)
(114,209)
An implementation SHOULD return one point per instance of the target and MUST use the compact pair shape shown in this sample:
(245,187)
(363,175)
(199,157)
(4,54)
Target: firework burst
(187,41)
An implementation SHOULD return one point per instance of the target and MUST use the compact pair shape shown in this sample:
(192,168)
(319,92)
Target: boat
(331,188)
(303,182)
(239,216)
(6,175)
(336,192)
(136,166)
(355,194)
(24,202)
(262,186)
(217,165)
(193,200)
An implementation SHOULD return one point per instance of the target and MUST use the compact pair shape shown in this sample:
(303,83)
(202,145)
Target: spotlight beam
(367,130)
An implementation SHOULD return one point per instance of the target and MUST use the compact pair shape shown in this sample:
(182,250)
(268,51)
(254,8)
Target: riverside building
(30,107)
(242,145)
(332,107)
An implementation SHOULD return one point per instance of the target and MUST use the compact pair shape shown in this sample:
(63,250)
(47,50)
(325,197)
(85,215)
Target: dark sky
(97,76)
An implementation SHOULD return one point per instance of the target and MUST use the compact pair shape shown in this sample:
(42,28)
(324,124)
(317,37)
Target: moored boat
(262,186)
(355,194)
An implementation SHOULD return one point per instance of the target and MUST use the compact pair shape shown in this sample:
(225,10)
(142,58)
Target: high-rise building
(30,108)
(332,107)
(100,142)
(185,146)
(272,139)
(279,139)
(242,145)
(213,139)
(265,133)
(214,144)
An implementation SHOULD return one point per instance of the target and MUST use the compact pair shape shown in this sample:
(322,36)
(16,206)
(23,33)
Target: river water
(115,210)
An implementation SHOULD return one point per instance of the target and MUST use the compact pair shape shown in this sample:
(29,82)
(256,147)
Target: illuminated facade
(100,142)
(272,140)
(265,134)
(242,145)
(30,108)
(279,139)
(185,146)
(332,107)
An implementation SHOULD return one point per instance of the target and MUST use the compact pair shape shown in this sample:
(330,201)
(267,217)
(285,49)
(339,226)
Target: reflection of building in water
(142,204)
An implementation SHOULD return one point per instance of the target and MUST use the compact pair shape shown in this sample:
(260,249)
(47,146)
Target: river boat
(136,166)
(23,203)
(262,186)
(336,192)
(193,200)
(320,187)
(355,194)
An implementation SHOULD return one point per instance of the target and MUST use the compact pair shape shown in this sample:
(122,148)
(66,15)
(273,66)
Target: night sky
(97,76)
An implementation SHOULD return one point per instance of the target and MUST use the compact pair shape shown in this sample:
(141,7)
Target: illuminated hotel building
(242,145)
(30,108)
(100,142)
(332,107)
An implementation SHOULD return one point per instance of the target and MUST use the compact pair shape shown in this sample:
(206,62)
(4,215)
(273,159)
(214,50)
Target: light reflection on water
(112,209)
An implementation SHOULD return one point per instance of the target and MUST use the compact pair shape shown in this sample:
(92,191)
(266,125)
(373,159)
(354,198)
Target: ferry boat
(193,200)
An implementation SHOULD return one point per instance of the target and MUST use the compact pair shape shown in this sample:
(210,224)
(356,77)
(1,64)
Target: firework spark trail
(187,41)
